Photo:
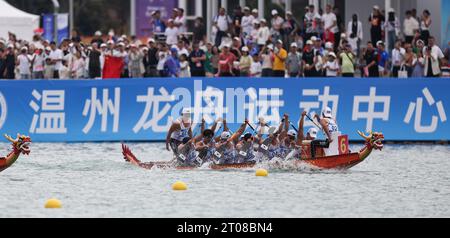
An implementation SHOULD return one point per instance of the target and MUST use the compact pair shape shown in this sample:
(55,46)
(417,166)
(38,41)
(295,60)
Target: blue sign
(143,109)
(49,26)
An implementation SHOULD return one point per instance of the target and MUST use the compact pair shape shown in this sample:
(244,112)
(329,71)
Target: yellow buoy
(53,203)
(262,173)
(179,186)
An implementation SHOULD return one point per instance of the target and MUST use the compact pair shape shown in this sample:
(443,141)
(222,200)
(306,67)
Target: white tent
(17,21)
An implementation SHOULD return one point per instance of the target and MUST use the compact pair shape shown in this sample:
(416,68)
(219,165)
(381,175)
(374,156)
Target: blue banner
(143,109)
(49,26)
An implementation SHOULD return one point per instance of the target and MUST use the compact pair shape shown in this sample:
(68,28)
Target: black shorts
(174,145)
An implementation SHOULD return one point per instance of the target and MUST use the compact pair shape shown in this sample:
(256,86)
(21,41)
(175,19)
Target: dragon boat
(21,145)
(344,161)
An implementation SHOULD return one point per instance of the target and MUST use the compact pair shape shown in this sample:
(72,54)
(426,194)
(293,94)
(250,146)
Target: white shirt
(24,64)
(182,51)
(436,54)
(223,22)
(410,25)
(181,20)
(38,64)
(277,23)
(329,19)
(263,35)
(353,42)
(185,71)
(172,36)
(359,31)
(332,65)
(256,69)
(398,56)
(247,24)
(267,61)
(56,55)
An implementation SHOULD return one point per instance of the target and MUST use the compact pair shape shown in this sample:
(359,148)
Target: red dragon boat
(344,161)
(21,145)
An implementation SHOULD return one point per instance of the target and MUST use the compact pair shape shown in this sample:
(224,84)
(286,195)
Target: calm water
(93,181)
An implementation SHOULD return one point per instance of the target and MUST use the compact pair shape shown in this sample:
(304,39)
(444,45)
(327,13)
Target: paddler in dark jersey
(245,149)
(180,129)
(206,143)
(187,154)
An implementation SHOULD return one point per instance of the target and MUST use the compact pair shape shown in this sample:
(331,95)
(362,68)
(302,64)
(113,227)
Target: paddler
(180,129)
(245,148)
(288,139)
(331,130)
(225,146)
(187,153)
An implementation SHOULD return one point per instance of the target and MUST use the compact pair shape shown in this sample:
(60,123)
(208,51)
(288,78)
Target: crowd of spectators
(242,45)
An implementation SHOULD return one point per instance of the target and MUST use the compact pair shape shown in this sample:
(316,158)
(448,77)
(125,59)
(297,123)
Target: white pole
(71,17)
(224,4)
(209,18)
(242,3)
(55,16)
(182,4)
(288,5)
(387,6)
(215,7)
(198,8)
(261,8)
(132,17)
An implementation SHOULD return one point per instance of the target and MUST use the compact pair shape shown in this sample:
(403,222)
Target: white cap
(263,20)
(292,133)
(288,13)
(48,48)
(328,45)
(24,48)
(270,47)
(110,42)
(327,112)
(343,35)
(121,44)
(103,45)
(332,54)
(245,49)
(10,46)
(391,10)
(255,22)
(145,48)
(225,135)
(186,111)
(294,44)
(151,40)
(98,33)
(313,133)
(279,41)
(313,38)
(237,38)
(376,7)
(124,36)
(380,42)
(309,42)
(274,12)
(170,20)
(255,10)
(133,46)
(246,9)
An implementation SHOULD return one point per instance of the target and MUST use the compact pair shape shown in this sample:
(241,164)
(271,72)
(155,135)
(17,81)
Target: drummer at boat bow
(180,129)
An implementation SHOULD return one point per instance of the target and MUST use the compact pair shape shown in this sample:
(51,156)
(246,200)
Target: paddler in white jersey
(331,130)
(180,129)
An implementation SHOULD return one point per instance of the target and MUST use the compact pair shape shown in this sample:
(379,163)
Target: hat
(48,49)
(294,44)
(292,133)
(313,38)
(145,48)
(245,49)
(98,33)
(110,42)
(376,7)
(380,43)
(327,112)
(289,13)
(170,20)
(270,47)
(103,45)
(332,54)
(133,46)
(279,41)
(10,46)
(309,42)
(246,9)
(391,10)
(24,48)
(343,35)
(313,133)
(328,45)
(174,50)
(255,10)
(151,40)
(237,38)
(225,135)
(263,20)
(186,110)
(176,10)
(274,12)
(121,44)
(256,22)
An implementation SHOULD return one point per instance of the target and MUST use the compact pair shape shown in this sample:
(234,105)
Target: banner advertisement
(143,109)
(144,10)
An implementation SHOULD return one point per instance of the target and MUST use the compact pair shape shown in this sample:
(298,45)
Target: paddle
(318,127)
